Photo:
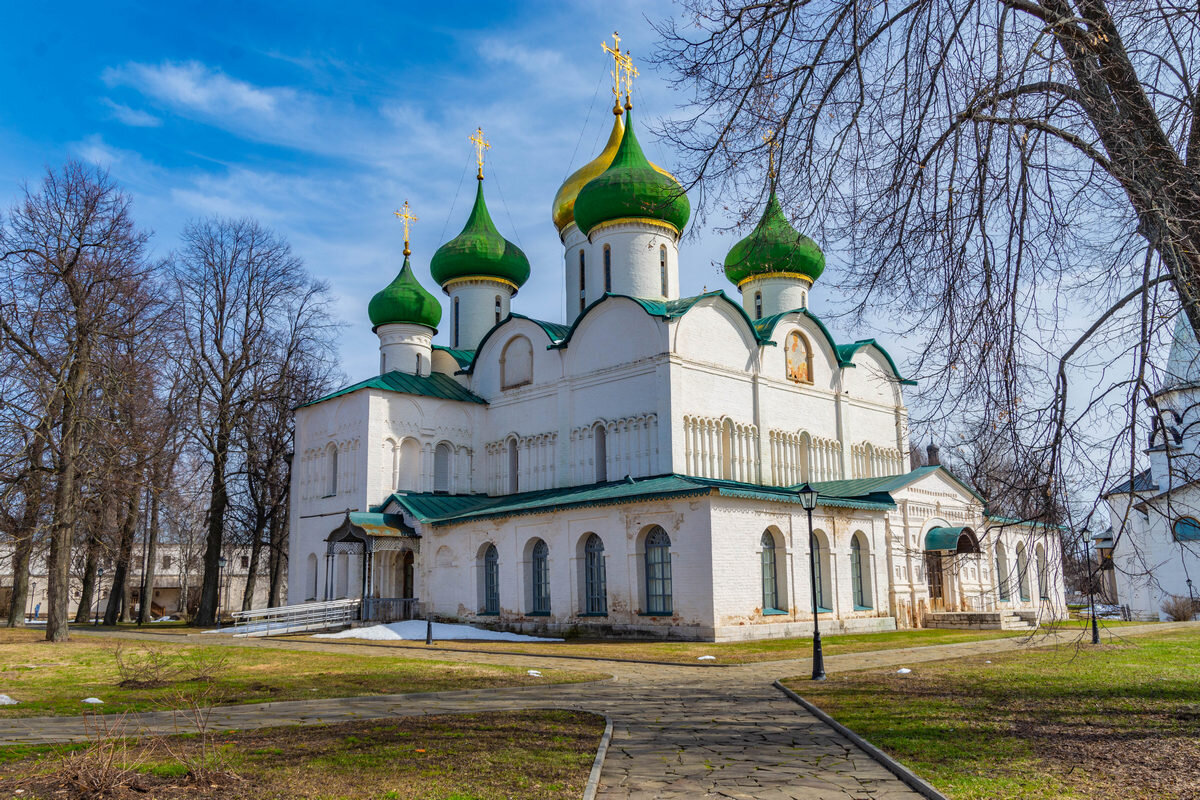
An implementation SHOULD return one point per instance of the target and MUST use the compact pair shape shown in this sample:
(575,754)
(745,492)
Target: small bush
(146,667)
(108,766)
(1181,609)
(203,666)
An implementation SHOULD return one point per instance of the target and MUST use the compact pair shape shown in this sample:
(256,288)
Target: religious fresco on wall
(799,359)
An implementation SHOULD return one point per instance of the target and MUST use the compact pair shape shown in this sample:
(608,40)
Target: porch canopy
(958,540)
(363,534)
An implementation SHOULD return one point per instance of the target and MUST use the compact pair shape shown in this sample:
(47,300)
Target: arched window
(799,358)
(607,268)
(539,578)
(727,450)
(418,370)
(859,577)
(1186,529)
(601,455)
(516,363)
(333,470)
(513,466)
(821,573)
(595,582)
(582,284)
(1043,573)
(456,322)
(1023,573)
(410,455)
(498,305)
(662,268)
(310,582)
(1002,586)
(770,582)
(491,580)
(441,467)
(758,305)
(658,572)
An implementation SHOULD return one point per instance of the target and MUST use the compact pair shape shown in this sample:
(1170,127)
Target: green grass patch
(1117,720)
(53,678)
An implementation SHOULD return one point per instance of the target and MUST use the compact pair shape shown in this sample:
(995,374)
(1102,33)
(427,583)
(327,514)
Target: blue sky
(320,119)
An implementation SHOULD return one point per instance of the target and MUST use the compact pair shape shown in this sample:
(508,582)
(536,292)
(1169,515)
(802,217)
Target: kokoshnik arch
(632,469)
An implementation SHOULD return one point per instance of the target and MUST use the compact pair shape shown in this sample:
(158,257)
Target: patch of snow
(414,630)
(5,700)
(987,662)
(533,673)
(96,701)
(903,671)
(706,658)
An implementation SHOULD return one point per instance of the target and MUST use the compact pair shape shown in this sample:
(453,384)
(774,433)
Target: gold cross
(631,72)
(618,65)
(481,144)
(406,216)
(772,145)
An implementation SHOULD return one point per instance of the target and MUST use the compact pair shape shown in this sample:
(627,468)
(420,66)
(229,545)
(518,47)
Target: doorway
(937,581)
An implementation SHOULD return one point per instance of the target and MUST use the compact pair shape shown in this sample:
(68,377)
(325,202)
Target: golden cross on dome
(631,72)
(618,67)
(481,144)
(772,145)
(406,216)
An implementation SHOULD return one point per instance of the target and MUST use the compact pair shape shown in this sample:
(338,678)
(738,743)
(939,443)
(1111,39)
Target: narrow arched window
(858,577)
(516,363)
(607,268)
(419,368)
(662,268)
(310,584)
(601,454)
(595,582)
(333,470)
(441,468)
(539,567)
(820,573)
(1002,587)
(456,322)
(1022,573)
(758,305)
(658,572)
(770,584)
(513,466)
(491,580)
(799,358)
(497,309)
(1043,574)
(582,283)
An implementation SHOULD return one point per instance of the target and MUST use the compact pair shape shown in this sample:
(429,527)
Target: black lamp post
(221,562)
(99,582)
(808,500)
(1087,549)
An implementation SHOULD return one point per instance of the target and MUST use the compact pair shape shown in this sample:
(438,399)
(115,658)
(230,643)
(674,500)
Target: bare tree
(241,289)
(71,252)
(1015,180)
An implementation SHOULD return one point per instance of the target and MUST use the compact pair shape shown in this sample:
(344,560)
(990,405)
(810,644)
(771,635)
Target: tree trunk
(146,602)
(23,547)
(89,588)
(218,503)
(22,550)
(256,544)
(278,555)
(120,581)
(66,494)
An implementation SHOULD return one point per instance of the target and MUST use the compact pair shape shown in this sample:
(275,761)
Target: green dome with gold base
(479,251)
(405,301)
(774,247)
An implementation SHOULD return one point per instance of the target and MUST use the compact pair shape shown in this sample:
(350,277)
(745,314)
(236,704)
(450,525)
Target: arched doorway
(405,572)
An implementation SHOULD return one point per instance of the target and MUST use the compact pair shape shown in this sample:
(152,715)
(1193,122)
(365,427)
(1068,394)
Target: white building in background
(633,470)
(1155,516)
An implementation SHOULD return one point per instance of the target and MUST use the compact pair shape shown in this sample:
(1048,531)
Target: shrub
(1180,609)
(146,667)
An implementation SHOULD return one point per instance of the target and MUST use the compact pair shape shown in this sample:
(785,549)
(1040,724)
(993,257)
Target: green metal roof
(555,331)
(774,246)
(765,328)
(434,385)
(860,487)
(404,300)
(948,539)
(847,351)
(463,357)
(377,524)
(479,250)
(443,509)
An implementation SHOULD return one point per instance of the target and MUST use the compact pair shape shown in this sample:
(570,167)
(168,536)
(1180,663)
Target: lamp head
(808,496)
(221,562)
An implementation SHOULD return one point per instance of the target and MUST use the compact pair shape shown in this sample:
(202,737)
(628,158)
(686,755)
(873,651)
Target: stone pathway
(678,731)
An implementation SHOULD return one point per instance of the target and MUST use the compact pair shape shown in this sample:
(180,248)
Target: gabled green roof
(847,351)
(857,487)
(442,509)
(463,357)
(765,328)
(555,331)
(434,385)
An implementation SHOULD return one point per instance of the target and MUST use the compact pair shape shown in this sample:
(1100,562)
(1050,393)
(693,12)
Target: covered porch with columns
(374,557)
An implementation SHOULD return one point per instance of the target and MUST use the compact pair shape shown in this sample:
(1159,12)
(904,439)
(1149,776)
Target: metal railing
(983,601)
(296,619)
(391,609)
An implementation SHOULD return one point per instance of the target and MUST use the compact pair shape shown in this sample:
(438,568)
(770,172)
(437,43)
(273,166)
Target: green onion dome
(774,247)
(480,252)
(405,300)
(631,187)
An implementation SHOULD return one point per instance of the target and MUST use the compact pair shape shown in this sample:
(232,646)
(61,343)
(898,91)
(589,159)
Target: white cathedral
(634,469)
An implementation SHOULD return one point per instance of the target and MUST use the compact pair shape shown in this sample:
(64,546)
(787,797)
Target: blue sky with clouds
(320,119)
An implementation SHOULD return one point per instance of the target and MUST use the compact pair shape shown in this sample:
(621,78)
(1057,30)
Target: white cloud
(192,85)
(132,116)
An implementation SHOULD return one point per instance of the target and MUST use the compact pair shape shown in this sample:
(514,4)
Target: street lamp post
(99,582)
(220,576)
(32,598)
(808,499)
(1087,549)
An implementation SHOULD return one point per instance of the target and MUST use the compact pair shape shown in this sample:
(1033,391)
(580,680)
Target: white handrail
(296,619)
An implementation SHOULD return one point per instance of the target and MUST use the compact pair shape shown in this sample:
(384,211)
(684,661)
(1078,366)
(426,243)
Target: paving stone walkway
(678,731)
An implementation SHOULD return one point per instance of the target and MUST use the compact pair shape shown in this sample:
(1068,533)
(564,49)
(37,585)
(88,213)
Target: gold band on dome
(468,278)
(764,275)
(654,223)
